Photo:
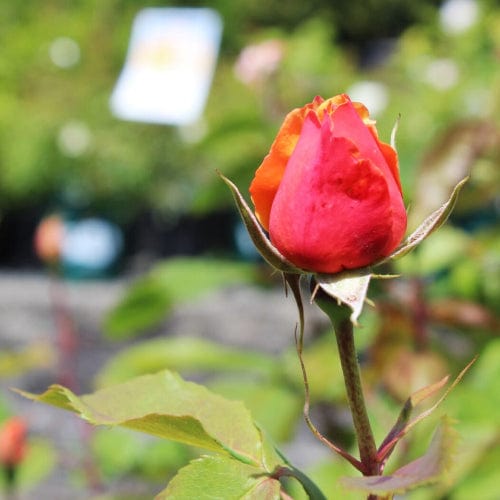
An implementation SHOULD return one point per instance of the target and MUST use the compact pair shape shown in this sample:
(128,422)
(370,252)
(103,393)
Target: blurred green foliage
(174,281)
(127,167)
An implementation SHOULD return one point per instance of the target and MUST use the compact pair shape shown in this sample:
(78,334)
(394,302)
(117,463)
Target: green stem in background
(420,315)
(313,492)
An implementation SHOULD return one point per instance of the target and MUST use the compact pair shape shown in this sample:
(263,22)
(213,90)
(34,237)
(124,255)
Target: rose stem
(366,443)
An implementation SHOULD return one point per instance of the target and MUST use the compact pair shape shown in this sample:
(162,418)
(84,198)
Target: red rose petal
(332,210)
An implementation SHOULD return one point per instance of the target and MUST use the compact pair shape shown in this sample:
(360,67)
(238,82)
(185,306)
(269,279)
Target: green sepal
(257,234)
(430,224)
(347,288)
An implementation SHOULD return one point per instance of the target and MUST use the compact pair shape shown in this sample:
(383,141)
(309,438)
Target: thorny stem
(353,461)
(340,317)
(293,281)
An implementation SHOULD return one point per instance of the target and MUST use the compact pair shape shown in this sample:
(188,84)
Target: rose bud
(49,238)
(12,446)
(329,192)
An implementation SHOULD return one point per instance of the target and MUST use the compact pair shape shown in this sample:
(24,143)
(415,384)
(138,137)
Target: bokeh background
(177,284)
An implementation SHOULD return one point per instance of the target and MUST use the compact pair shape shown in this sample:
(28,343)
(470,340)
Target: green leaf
(168,407)
(424,470)
(257,234)
(145,304)
(217,477)
(430,224)
(118,452)
(268,488)
(312,490)
(182,353)
(149,300)
(272,458)
(276,408)
(349,288)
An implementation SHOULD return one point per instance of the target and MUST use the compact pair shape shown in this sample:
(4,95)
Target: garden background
(186,291)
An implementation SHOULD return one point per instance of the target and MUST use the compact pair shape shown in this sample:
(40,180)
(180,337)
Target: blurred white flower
(64,52)
(442,74)
(374,95)
(256,62)
(457,16)
(74,138)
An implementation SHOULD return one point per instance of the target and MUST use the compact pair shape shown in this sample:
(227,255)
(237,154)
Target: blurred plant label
(169,66)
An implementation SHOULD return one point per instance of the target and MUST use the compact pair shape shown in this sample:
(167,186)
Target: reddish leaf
(427,469)
(403,424)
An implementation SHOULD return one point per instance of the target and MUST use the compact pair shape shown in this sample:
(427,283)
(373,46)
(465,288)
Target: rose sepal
(347,288)
(428,226)
(257,234)
(350,287)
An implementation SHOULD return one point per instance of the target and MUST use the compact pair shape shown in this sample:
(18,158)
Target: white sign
(169,67)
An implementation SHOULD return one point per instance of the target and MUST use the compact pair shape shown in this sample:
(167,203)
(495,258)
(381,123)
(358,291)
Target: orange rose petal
(391,157)
(268,176)
(387,150)
(13,441)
